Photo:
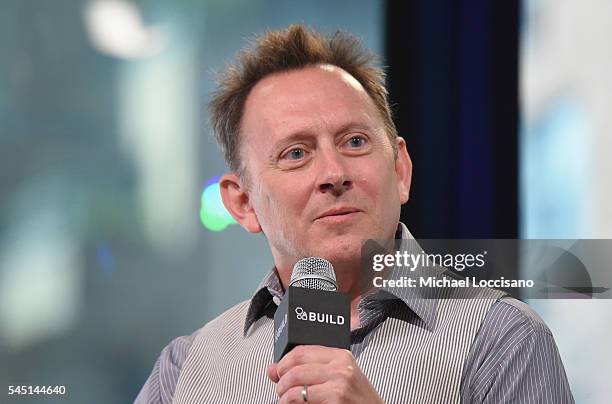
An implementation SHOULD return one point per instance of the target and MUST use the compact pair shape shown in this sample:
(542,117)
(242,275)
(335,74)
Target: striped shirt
(512,356)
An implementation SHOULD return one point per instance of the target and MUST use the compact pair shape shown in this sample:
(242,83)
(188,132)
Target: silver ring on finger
(305,393)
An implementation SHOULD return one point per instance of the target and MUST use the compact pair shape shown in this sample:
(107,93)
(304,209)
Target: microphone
(312,312)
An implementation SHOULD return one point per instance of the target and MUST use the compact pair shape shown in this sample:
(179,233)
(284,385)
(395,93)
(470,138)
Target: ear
(403,170)
(236,200)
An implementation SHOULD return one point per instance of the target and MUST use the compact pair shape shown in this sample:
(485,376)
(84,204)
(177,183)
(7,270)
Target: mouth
(339,214)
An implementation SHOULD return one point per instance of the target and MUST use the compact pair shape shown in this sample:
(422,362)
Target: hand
(331,374)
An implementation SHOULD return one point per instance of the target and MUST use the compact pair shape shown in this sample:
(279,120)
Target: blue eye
(295,154)
(356,141)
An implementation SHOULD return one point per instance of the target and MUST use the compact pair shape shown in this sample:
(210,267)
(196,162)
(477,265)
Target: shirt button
(276,300)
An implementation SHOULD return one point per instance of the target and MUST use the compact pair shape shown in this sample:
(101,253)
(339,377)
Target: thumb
(273,372)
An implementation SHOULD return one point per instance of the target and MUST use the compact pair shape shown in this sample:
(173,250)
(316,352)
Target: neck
(355,321)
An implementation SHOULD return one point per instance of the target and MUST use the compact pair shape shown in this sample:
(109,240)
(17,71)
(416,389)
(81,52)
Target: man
(317,166)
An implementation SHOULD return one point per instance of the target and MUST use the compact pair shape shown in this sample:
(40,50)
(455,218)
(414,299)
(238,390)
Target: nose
(334,177)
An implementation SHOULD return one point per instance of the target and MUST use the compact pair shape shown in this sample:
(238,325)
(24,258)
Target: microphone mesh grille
(314,273)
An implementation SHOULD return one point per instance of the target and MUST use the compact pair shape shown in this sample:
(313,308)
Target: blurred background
(113,240)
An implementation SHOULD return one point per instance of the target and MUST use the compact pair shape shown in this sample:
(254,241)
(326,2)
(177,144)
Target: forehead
(318,98)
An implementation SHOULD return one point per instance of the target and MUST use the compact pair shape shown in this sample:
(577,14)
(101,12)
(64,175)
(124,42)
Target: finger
(294,395)
(309,374)
(303,354)
(273,372)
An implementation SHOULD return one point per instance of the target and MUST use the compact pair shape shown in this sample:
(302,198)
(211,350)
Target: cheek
(284,201)
(381,184)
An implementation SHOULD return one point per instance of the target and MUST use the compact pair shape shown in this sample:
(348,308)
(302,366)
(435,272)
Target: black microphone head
(314,273)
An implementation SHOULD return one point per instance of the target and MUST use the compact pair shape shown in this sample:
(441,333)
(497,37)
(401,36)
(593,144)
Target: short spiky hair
(293,48)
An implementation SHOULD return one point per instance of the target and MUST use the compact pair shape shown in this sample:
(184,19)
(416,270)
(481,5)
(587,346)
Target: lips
(338,212)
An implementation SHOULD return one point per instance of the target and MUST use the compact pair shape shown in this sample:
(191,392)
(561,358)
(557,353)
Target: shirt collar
(270,290)
(416,299)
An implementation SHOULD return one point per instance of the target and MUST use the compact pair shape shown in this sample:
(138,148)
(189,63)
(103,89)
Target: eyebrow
(305,134)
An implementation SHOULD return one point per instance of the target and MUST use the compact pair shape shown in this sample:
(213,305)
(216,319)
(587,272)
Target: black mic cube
(312,317)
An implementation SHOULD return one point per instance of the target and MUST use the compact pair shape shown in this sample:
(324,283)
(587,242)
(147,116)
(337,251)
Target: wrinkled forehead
(313,98)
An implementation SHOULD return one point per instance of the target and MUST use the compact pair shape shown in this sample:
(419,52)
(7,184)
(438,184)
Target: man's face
(321,172)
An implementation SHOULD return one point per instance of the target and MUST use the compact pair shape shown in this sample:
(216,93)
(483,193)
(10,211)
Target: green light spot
(213,214)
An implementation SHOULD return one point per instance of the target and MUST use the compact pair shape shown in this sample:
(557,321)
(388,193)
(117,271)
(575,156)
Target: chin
(347,252)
